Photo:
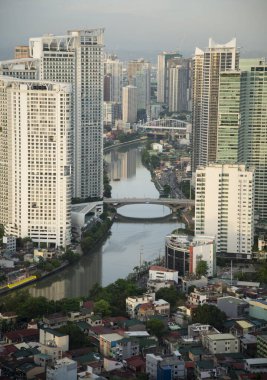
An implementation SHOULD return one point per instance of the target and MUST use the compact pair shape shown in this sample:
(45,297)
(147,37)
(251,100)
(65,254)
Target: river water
(128,243)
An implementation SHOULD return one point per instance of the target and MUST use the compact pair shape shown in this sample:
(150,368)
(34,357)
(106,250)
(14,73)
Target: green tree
(156,327)
(202,268)
(102,307)
(209,314)
(170,295)
(77,338)
(166,190)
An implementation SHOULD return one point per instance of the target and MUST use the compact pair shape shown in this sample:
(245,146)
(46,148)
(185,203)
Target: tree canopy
(156,327)
(202,268)
(209,314)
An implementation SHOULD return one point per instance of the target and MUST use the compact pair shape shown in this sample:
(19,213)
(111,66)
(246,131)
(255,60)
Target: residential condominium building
(221,343)
(113,79)
(224,207)
(228,117)
(76,58)
(207,66)
(35,160)
(162,75)
(253,129)
(24,68)
(139,75)
(129,104)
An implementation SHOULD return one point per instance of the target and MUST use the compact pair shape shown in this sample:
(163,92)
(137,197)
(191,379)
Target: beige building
(22,51)
(207,66)
(129,104)
(221,343)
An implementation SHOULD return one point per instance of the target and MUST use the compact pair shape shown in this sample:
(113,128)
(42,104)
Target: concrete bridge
(172,203)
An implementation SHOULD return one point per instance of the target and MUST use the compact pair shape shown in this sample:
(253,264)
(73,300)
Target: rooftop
(161,269)
(220,336)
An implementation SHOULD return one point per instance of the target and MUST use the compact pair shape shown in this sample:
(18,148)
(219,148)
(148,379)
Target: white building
(162,274)
(35,160)
(256,365)
(24,68)
(129,104)
(207,66)
(178,88)
(50,337)
(224,207)
(113,87)
(63,369)
(139,75)
(183,253)
(162,75)
(132,302)
(76,58)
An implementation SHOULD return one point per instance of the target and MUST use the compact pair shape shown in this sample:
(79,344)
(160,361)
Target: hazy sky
(139,25)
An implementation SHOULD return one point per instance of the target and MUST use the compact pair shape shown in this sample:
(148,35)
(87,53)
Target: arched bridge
(173,203)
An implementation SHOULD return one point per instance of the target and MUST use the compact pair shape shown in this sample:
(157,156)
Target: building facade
(207,66)
(253,129)
(224,207)
(129,104)
(77,58)
(162,75)
(35,160)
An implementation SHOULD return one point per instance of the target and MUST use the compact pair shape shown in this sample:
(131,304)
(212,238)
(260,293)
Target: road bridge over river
(172,203)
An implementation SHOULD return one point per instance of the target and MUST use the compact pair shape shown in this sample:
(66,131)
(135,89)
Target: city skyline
(182,25)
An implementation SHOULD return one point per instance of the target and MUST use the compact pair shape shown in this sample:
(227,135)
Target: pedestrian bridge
(172,203)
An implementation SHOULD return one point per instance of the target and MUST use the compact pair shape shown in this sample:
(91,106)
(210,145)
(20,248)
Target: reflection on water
(127,244)
(144,211)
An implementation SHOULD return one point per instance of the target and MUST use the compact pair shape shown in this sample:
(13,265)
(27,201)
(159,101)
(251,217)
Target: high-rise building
(22,51)
(139,75)
(177,99)
(129,104)
(77,58)
(113,77)
(228,117)
(24,68)
(253,129)
(162,75)
(224,207)
(35,160)
(207,66)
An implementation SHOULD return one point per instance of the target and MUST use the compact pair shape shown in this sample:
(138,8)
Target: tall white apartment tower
(162,75)
(35,160)
(207,66)
(77,58)
(129,104)
(224,207)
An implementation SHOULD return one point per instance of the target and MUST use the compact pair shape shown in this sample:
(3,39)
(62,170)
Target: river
(128,243)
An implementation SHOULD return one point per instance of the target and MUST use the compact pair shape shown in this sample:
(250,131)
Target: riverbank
(126,143)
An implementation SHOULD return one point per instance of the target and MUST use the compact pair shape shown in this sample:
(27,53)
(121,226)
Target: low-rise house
(204,369)
(233,307)
(108,342)
(196,298)
(94,320)
(136,364)
(79,316)
(125,348)
(258,309)
(242,327)
(193,280)
(172,366)
(256,365)
(8,316)
(24,335)
(55,320)
(221,343)
(132,303)
(62,369)
(248,345)
(162,274)
(53,337)
(262,346)
(196,330)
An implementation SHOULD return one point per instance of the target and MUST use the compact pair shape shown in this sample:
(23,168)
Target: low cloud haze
(136,28)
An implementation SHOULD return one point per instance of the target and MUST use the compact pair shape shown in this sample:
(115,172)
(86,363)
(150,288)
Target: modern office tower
(113,79)
(139,75)
(24,68)
(207,66)
(129,104)
(35,160)
(224,207)
(22,52)
(253,130)
(177,99)
(76,58)
(162,76)
(228,117)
